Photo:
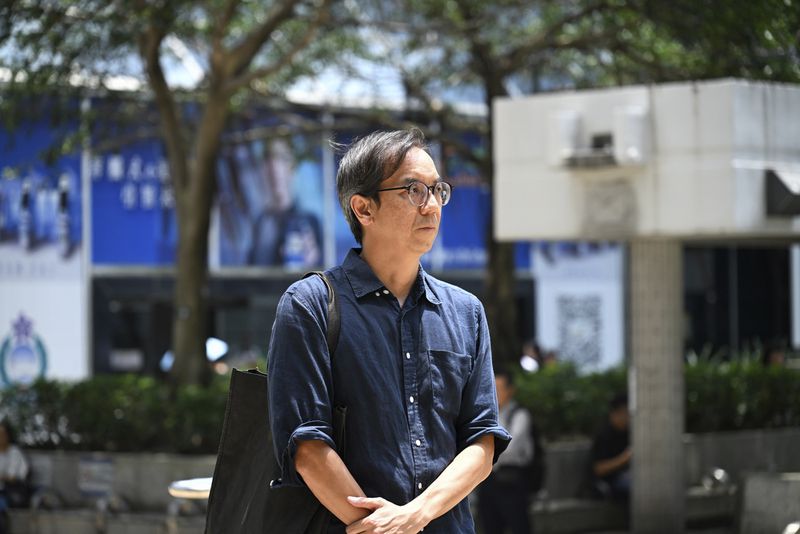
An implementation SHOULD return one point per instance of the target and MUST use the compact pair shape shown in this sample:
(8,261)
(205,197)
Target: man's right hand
(386,517)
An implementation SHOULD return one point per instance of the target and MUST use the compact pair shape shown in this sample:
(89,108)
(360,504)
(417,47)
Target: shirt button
(408,355)
(419,485)
(385,291)
(377,293)
(418,443)
(411,399)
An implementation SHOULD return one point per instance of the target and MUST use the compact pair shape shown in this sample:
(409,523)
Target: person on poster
(263,220)
(413,364)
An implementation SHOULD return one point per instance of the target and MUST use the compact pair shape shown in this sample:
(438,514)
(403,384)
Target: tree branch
(224,19)
(546,40)
(120,141)
(240,57)
(149,49)
(287,58)
(485,64)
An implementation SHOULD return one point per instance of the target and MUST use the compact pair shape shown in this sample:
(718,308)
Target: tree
(495,48)
(59,47)
(445,50)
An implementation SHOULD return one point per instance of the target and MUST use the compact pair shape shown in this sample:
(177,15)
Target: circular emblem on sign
(23,357)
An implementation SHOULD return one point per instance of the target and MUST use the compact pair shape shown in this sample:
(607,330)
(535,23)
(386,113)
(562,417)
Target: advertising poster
(268,209)
(270,203)
(579,302)
(43,305)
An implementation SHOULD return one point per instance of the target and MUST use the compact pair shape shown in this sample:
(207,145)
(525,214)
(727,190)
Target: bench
(704,508)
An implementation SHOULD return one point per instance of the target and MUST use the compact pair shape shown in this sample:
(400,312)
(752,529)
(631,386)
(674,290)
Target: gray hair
(369,161)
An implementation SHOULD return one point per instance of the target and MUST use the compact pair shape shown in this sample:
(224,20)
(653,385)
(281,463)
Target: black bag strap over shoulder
(334,316)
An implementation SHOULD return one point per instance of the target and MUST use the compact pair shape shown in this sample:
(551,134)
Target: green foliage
(117,413)
(566,403)
(740,395)
(719,397)
(194,422)
(136,413)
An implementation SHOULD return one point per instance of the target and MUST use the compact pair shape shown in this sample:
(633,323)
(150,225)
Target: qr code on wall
(579,328)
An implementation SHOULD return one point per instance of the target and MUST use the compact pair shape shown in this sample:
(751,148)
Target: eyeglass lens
(418,193)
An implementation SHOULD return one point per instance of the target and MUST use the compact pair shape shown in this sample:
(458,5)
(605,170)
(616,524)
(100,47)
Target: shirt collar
(430,294)
(363,281)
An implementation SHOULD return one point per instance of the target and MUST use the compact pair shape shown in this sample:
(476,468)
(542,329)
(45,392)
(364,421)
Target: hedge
(720,397)
(137,413)
(117,413)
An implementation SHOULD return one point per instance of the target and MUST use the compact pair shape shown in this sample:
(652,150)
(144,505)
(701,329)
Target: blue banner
(133,219)
(40,203)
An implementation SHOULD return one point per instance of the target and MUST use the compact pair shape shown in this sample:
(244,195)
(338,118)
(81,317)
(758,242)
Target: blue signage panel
(40,203)
(133,219)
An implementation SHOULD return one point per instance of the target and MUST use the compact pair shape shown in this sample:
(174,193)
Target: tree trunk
(500,283)
(191,282)
(501,306)
(190,327)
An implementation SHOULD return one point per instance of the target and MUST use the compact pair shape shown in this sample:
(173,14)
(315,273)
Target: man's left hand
(386,517)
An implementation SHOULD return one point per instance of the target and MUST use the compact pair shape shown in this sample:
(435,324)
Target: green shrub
(719,397)
(741,395)
(194,423)
(136,413)
(117,413)
(565,403)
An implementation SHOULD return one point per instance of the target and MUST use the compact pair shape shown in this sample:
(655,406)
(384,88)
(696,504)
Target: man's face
(399,224)
(620,418)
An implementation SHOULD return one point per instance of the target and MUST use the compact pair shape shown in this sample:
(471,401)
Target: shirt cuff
(305,432)
(501,438)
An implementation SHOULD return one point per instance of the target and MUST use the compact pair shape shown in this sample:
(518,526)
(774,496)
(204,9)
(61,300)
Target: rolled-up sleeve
(479,413)
(299,375)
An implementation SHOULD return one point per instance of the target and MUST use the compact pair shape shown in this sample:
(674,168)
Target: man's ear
(364,209)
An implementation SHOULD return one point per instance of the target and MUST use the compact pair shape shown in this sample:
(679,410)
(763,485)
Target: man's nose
(431,204)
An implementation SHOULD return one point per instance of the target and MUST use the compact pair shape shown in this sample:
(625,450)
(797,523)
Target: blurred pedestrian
(531,359)
(503,496)
(13,475)
(611,452)
(774,355)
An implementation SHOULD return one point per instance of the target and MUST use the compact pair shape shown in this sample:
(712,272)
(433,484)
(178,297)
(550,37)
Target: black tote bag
(241,500)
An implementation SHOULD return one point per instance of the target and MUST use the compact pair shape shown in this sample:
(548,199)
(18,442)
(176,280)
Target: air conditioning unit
(620,140)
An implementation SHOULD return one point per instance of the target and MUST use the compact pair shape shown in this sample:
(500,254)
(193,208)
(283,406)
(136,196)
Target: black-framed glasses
(418,193)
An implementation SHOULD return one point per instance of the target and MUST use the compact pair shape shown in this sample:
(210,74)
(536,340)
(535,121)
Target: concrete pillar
(657,386)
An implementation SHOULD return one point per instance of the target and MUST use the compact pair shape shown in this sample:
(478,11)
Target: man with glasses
(412,365)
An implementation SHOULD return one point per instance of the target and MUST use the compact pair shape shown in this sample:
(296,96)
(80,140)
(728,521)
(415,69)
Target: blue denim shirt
(417,381)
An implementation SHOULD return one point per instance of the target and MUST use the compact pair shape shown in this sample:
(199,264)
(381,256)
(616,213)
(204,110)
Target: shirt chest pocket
(449,374)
